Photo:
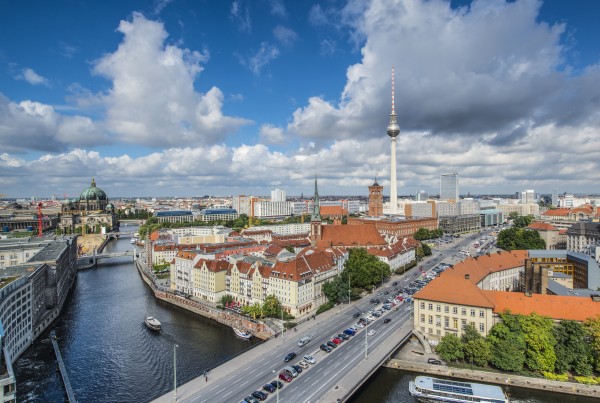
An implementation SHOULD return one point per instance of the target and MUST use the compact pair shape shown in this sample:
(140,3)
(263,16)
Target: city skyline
(175,98)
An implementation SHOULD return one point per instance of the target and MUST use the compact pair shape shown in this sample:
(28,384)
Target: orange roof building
(477,290)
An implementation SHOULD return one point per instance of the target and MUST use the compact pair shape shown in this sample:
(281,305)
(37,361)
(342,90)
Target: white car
(303,364)
(310,359)
(359,325)
(371,332)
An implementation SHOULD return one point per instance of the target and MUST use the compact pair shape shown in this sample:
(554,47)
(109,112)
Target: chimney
(596,298)
(467,277)
(528,293)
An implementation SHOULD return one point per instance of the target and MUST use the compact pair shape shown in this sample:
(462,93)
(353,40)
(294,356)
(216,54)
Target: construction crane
(39,206)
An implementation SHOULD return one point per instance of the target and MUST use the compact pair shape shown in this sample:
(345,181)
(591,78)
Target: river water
(112,357)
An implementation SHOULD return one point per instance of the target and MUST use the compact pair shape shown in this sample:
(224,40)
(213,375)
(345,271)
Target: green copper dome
(93,193)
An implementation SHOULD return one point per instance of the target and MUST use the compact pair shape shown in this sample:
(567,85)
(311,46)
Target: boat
(428,389)
(152,323)
(242,334)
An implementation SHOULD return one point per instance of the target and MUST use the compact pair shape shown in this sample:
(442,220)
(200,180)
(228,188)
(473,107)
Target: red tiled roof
(213,265)
(154,236)
(554,306)
(542,226)
(559,212)
(350,236)
(332,210)
(273,250)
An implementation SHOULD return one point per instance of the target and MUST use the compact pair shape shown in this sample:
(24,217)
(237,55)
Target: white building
(285,229)
(449,187)
(272,209)
(278,195)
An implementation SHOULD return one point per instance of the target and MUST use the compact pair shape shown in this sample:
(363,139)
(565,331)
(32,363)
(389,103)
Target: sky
(230,97)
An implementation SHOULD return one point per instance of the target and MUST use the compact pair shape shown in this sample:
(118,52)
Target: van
(464,252)
(304,341)
(291,371)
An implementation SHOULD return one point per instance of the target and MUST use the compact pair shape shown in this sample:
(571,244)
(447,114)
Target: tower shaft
(393,180)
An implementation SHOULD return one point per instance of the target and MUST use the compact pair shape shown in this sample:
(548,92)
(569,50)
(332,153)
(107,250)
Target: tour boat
(152,323)
(242,334)
(428,389)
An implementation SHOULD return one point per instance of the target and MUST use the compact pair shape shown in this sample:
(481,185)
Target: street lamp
(175,369)
(367,340)
(349,289)
(277,386)
(282,327)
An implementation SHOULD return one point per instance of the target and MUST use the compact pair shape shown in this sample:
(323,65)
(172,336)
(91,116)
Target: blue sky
(239,97)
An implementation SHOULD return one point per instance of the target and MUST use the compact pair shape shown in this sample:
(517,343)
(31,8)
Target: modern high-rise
(278,195)
(555,197)
(527,196)
(422,195)
(449,187)
(393,130)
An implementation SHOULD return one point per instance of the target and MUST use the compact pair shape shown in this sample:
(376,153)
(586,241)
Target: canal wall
(230,319)
(497,378)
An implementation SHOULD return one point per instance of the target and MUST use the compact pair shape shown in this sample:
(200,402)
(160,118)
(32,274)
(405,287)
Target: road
(239,377)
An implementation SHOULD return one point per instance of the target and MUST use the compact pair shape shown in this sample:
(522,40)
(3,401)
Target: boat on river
(429,390)
(242,334)
(152,323)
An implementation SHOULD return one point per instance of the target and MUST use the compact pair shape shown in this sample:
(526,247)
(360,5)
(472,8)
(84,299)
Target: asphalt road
(310,385)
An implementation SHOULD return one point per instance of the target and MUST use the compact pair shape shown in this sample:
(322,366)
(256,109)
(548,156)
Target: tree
(450,348)
(520,238)
(422,234)
(507,346)
(573,353)
(475,349)
(226,299)
(364,269)
(253,310)
(426,249)
(539,342)
(592,326)
(271,307)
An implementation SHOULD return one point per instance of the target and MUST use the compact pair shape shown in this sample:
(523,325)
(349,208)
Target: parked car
(356,315)
(325,348)
(343,336)
(331,344)
(298,368)
(434,361)
(277,384)
(250,399)
(269,387)
(359,325)
(289,357)
(259,395)
(303,364)
(337,340)
(310,359)
(284,376)
(349,332)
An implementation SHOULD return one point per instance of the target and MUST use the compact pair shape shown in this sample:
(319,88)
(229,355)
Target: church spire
(316,214)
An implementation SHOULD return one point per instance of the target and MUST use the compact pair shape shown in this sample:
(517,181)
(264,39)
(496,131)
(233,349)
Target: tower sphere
(393,130)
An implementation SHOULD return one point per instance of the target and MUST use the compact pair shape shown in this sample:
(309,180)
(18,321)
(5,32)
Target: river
(112,357)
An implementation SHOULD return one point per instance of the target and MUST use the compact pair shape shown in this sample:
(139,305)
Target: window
(438,320)
(422,305)
(430,307)
(430,319)
(472,312)
(446,309)
(422,318)
(455,323)
(481,313)
(446,321)
(455,310)
(438,308)
(463,311)
(463,324)
(481,327)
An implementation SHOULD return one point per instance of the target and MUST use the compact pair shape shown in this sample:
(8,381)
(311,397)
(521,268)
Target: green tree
(507,345)
(477,351)
(336,290)
(450,348)
(520,238)
(365,270)
(226,299)
(271,307)
(254,310)
(539,342)
(573,352)
(592,326)
(422,234)
(426,249)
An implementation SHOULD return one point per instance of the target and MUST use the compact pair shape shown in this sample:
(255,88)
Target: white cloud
(278,8)
(316,16)
(266,54)
(32,77)
(328,47)
(284,35)
(30,125)
(272,134)
(489,68)
(240,14)
(152,100)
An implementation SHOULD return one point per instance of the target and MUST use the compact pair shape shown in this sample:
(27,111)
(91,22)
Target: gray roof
(585,228)
(51,252)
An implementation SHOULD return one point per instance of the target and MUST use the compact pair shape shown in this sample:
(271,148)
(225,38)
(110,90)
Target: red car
(337,340)
(284,376)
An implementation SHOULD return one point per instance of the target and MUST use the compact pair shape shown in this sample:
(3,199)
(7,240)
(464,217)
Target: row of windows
(438,308)
(438,322)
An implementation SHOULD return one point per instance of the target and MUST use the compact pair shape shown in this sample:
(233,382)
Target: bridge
(86,261)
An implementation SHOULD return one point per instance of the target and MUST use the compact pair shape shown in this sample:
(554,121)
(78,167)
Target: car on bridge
(325,348)
(331,344)
(310,359)
(289,357)
(343,336)
(277,384)
(336,340)
(250,399)
(303,364)
(284,376)
(269,387)
(350,332)
(259,395)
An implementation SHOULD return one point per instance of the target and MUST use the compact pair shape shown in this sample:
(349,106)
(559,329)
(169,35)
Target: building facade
(449,187)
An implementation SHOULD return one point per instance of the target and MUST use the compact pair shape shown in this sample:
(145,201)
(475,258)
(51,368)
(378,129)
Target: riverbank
(413,357)
(90,243)
(231,319)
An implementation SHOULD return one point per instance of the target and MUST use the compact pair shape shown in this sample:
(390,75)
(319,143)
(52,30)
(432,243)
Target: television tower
(393,130)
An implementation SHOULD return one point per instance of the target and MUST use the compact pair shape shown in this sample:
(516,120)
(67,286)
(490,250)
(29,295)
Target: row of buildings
(35,278)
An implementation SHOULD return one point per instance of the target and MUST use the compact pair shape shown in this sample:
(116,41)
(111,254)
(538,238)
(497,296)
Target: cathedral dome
(93,193)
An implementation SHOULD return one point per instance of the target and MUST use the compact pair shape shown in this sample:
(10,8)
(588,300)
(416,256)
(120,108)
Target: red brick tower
(375,199)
